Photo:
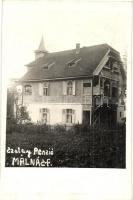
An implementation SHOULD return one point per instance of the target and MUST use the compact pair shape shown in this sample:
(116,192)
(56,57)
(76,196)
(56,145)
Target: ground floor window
(44,115)
(68,116)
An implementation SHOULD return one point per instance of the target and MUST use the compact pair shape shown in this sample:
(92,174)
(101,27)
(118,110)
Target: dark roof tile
(90,58)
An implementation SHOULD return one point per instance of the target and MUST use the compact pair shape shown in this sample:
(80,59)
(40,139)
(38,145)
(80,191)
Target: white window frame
(44,112)
(69,116)
(70,88)
(45,89)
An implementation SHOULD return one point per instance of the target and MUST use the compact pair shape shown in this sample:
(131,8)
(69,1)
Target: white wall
(55,111)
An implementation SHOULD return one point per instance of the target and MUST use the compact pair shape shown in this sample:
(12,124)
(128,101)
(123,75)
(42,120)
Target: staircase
(99,115)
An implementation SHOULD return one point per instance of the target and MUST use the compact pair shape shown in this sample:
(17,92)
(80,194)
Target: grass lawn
(73,148)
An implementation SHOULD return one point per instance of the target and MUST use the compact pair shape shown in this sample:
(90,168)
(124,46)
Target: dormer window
(73,62)
(28,90)
(48,65)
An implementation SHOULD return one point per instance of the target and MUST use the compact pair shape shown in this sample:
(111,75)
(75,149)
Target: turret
(41,51)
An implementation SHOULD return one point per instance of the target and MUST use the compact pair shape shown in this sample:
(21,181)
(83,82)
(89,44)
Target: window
(115,67)
(48,65)
(73,62)
(107,88)
(28,90)
(86,88)
(45,89)
(120,114)
(44,115)
(68,116)
(114,92)
(69,88)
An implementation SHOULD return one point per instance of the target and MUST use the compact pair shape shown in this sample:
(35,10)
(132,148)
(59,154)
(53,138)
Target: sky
(62,24)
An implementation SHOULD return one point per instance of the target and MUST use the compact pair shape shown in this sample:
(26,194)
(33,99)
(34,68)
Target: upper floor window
(28,90)
(115,67)
(86,87)
(114,92)
(107,88)
(69,88)
(45,89)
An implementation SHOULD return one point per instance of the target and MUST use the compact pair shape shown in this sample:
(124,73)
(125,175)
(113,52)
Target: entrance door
(86,117)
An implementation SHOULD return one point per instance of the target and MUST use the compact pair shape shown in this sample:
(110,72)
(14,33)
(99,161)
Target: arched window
(45,89)
(28,90)
(69,88)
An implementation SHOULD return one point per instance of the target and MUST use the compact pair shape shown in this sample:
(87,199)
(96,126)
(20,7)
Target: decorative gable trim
(101,64)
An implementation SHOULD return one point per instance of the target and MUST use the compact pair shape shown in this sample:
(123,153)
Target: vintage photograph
(66,69)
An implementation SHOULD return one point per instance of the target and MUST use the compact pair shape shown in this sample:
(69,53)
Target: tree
(16,114)
(22,115)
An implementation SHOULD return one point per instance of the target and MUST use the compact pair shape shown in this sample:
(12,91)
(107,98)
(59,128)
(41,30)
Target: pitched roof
(88,59)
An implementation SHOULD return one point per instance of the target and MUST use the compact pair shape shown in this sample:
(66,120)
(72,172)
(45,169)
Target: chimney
(41,51)
(77,48)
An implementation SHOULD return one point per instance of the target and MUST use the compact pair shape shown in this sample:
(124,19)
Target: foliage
(15,114)
(77,147)
(22,115)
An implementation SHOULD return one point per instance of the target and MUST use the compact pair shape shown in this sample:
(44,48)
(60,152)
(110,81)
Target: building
(82,85)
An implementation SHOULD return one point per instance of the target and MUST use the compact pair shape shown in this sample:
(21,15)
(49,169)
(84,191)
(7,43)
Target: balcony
(98,100)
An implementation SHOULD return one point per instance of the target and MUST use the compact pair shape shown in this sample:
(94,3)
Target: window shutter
(40,113)
(64,88)
(40,89)
(73,116)
(48,116)
(74,88)
(48,89)
(64,116)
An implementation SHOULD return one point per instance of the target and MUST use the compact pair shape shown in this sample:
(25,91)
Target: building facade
(82,85)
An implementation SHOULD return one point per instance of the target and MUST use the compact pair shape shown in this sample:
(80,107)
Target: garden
(79,146)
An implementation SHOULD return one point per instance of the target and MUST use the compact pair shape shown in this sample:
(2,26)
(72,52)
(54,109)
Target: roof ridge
(67,50)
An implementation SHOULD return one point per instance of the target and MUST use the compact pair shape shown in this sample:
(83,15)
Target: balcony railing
(85,99)
(100,100)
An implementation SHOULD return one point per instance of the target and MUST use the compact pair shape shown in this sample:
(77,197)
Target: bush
(79,146)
